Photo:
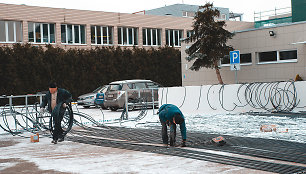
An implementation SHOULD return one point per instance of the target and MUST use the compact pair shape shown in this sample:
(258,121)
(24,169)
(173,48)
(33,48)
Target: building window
(268,56)
(277,56)
(173,37)
(288,55)
(244,59)
(10,31)
(73,34)
(102,35)
(225,60)
(127,36)
(189,33)
(41,32)
(151,36)
(188,14)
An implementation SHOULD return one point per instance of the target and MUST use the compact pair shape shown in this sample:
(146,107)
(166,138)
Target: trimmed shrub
(28,69)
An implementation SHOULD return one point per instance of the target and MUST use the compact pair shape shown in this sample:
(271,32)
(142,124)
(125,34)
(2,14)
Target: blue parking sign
(235,57)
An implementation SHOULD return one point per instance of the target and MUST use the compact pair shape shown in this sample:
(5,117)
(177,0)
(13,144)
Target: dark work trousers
(57,115)
(172,134)
(165,133)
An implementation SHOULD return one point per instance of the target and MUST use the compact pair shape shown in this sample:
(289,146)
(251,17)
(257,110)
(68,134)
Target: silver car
(87,100)
(139,91)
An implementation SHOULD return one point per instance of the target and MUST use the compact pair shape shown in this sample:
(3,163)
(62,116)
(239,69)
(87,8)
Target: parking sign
(235,57)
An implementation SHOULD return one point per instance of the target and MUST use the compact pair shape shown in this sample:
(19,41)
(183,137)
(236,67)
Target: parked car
(87,100)
(138,91)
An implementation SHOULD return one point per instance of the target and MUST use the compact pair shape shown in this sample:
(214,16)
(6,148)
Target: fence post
(40,99)
(11,110)
(126,104)
(153,102)
(26,103)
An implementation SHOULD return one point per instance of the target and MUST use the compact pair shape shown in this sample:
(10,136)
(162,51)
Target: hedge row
(28,69)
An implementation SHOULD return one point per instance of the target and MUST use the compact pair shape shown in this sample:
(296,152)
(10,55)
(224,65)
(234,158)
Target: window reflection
(69,34)
(45,33)
(102,35)
(2,31)
(63,34)
(41,32)
(151,36)
(127,36)
(73,34)
(31,32)
(11,27)
(173,37)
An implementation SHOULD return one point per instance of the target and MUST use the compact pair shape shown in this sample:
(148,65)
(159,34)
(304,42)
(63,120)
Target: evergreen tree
(209,40)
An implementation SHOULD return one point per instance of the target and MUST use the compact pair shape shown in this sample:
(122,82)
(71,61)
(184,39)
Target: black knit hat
(178,119)
(52,84)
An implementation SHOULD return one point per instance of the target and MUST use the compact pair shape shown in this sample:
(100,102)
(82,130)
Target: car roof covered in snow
(130,81)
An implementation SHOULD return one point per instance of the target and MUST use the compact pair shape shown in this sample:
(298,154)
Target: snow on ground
(225,124)
(83,158)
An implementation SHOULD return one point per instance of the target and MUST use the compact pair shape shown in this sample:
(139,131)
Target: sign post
(235,62)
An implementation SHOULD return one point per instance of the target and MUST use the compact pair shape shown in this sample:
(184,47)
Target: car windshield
(115,87)
(104,89)
(140,85)
(98,89)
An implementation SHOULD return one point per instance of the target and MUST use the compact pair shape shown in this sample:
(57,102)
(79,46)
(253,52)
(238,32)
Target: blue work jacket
(167,112)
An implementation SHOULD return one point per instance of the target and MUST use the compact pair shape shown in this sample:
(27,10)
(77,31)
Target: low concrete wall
(237,98)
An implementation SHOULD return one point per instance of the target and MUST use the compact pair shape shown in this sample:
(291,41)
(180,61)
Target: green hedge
(28,69)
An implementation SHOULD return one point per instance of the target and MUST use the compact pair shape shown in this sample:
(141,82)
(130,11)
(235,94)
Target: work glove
(183,143)
(41,110)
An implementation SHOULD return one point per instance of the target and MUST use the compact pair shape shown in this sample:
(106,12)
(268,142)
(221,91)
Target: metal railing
(28,111)
(266,15)
(142,100)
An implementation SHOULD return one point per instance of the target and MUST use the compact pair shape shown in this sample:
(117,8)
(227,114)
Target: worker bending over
(171,115)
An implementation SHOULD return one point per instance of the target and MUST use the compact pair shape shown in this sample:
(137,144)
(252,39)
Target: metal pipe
(126,104)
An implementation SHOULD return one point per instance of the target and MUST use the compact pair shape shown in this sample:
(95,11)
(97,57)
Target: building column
(58,34)
(140,38)
(163,37)
(115,36)
(25,29)
(88,35)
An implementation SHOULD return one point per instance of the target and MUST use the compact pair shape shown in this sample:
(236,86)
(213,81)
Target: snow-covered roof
(130,81)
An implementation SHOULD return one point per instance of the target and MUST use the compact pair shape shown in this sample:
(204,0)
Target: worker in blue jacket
(57,100)
(171,115)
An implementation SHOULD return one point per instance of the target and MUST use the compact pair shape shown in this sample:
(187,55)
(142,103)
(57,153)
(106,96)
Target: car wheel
(86,106)
(103,107)
(113,108)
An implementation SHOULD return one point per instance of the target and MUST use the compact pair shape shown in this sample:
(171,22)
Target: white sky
(247,7)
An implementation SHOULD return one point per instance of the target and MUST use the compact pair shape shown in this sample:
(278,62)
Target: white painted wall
(207,99)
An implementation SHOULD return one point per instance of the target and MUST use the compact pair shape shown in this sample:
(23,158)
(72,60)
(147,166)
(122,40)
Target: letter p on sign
(235,57)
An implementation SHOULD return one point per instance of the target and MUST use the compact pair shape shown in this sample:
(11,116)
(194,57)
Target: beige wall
(253,41)
(84,17)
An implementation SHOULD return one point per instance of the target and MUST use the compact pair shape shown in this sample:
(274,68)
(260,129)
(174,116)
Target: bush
(28,69)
